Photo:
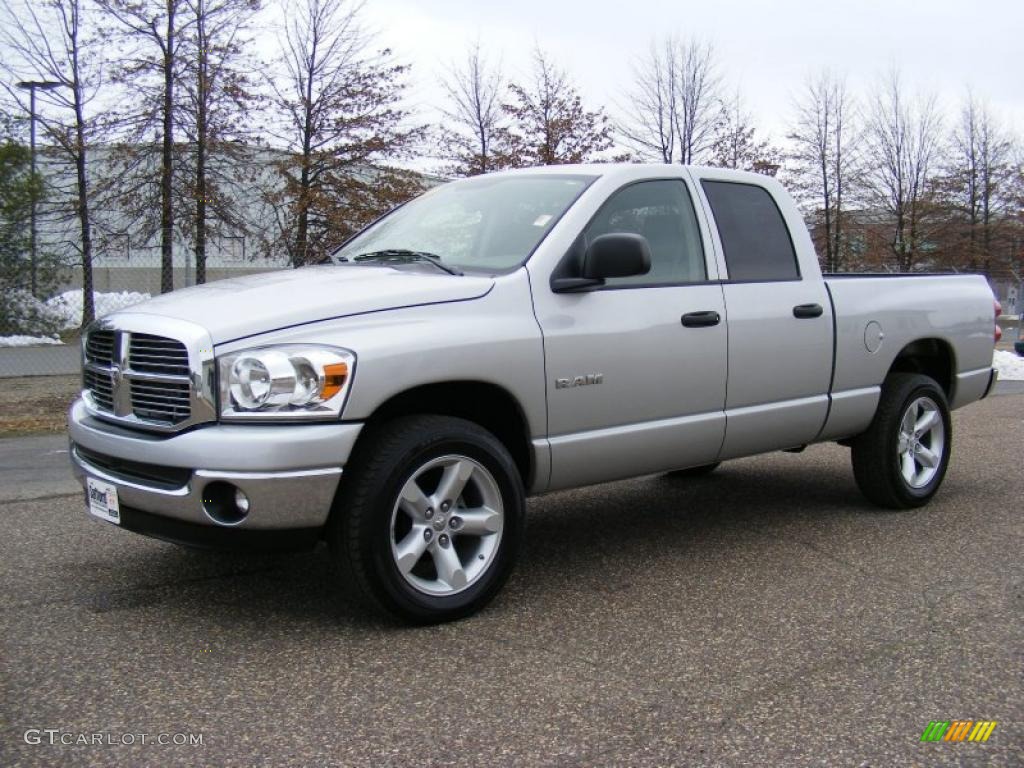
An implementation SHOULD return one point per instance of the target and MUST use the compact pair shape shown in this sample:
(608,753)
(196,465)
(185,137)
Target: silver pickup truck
(508,335)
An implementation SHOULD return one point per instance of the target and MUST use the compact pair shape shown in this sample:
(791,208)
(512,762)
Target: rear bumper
(993,377)
(971,386)
(289,473)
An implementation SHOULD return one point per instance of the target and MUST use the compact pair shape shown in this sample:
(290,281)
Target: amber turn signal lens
(335,375)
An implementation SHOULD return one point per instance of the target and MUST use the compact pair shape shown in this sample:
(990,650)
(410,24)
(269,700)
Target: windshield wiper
(403,256)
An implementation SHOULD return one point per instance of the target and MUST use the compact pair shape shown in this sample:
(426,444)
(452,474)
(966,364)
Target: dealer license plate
(102,500)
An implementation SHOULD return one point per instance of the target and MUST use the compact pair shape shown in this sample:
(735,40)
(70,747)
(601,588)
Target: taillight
(998,310)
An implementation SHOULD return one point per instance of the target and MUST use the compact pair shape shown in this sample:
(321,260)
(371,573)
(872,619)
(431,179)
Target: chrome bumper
(288,472)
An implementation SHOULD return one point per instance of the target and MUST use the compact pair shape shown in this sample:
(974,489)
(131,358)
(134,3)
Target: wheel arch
(932,357)
(486,404)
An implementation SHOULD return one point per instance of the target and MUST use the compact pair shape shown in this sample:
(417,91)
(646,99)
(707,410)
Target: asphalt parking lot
(763,616)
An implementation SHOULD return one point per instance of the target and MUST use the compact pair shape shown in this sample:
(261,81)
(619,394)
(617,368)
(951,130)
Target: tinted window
(754,235)
(662,212)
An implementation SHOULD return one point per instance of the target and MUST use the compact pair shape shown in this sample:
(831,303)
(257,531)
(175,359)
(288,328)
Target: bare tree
(673,107)
(697,83)
(547,123)
(824,161)
(341,118)
(153,31)
(736,144)
(650,127)
(980,180)
(49,40)
(216,91)
(473,115)
(905,140)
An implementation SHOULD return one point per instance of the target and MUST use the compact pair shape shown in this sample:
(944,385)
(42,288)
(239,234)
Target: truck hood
(243,306)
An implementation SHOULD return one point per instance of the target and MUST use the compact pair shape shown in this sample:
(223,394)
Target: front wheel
(429,519)
(900,461)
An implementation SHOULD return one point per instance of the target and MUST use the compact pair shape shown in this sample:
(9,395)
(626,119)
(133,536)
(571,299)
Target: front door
(636,370)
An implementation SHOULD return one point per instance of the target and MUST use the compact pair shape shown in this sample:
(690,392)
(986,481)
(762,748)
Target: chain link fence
(40,334)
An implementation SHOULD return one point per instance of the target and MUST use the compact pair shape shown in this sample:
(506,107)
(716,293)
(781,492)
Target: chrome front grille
(99,347)
(161,401)
(101,386)
(156,354)
(146,379)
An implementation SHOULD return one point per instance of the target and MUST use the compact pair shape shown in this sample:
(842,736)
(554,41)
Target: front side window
(485,223)
(754,235)
(662,212)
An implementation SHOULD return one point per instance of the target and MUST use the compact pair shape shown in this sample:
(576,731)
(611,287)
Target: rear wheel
(901,460)
(430,518)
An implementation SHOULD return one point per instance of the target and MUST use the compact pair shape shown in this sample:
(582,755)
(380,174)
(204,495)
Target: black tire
(704,469)
(876,452)
(360,533)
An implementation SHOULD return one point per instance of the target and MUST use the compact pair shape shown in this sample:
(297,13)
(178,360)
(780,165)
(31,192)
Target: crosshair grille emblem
(120,386)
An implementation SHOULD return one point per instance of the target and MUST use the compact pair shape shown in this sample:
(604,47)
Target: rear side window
(754,235)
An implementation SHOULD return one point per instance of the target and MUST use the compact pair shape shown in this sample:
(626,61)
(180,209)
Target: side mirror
(618,254)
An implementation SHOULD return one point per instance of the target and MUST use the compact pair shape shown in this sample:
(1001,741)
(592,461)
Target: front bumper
(288,472)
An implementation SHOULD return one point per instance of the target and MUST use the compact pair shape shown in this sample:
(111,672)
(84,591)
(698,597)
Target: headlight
(285,382)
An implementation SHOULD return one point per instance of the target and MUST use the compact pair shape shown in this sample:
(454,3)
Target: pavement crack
(896,584)
(790,682)
(135,596)
(45,497)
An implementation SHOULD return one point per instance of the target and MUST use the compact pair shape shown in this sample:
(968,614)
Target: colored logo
(958,730)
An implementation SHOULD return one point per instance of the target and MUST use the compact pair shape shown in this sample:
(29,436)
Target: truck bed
(877,316)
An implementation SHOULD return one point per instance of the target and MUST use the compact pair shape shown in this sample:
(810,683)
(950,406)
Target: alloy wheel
(922,441)
(446,525)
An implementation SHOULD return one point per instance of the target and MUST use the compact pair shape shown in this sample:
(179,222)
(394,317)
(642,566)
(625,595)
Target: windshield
(485,223)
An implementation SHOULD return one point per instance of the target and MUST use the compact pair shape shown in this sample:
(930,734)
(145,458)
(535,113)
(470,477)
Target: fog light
(224,503)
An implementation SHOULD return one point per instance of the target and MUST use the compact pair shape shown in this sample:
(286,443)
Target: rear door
(780,323)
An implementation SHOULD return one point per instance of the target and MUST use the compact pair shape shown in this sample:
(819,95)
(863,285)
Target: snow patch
(1009,365)
(68,305)
(39,321)
(27,341)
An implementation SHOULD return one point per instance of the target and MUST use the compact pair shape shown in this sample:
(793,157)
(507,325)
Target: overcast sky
(767,48)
